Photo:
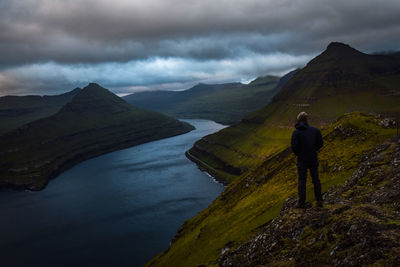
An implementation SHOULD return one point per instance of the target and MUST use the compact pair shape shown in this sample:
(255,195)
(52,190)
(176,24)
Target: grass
(256,197)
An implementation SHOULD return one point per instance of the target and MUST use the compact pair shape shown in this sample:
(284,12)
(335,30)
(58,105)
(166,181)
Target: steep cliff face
(94,122)
(338,81)
(359,224)
(256,197)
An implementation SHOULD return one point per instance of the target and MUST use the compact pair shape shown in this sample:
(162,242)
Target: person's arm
(319,142)
(295,143)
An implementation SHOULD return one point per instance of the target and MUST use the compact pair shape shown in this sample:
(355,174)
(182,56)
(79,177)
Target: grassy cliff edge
(256,197)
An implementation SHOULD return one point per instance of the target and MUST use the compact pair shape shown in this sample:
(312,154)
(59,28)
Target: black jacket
(306,141)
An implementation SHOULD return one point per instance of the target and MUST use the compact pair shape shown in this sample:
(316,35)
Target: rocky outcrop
(359,224)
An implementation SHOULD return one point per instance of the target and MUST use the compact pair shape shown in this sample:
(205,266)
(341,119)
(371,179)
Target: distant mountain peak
(75,91)
(338,53)
(338,45)
(341,49)
(200,85)
(94,97)
(264,80)
(92,86)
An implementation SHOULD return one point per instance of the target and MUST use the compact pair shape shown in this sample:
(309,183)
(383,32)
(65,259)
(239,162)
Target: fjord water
(119,209)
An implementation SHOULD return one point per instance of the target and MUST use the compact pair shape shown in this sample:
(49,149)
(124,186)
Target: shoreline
(79,158)
(204,167)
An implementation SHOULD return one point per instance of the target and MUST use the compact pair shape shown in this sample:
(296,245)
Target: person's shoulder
(314,128)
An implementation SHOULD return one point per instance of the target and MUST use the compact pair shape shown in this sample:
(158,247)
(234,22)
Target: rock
(388,122)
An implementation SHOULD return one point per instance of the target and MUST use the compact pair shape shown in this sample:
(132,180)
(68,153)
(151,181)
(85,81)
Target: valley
(224,103)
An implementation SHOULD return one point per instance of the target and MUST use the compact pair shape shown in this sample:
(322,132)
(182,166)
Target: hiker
(306,141)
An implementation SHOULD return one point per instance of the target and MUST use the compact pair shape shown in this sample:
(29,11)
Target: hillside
(224,103)
(94,122)
(339,80)
(18,110)
(359,226)
(241,228)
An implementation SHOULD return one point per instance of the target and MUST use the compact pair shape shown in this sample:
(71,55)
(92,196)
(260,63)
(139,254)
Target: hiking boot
(299,205)
(320,203)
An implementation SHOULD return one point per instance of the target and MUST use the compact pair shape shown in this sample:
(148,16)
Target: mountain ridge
(94,96)
(224,103)
(241,227)
(325,88)
(94,122)
(18,110)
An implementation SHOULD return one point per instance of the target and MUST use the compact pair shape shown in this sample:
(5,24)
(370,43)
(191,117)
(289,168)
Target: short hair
(302,117)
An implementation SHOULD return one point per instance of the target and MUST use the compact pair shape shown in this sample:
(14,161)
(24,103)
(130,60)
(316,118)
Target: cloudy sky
(51,46)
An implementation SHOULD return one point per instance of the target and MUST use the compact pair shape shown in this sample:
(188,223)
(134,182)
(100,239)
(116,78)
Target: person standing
(305,143)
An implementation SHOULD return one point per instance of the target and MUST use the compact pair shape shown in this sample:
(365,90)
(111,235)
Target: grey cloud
(122,30)
(155,73)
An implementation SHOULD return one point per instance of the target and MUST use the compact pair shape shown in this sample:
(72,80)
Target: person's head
(302,117)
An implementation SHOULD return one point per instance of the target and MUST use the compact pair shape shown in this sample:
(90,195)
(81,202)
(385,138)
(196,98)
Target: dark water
(119,209)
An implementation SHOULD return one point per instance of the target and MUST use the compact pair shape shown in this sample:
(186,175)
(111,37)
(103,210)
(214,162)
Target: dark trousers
(302,168)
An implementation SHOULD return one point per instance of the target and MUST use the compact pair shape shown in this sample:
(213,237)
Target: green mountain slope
(359,225)
(220,233)
(224,103)
(18,110)
(94,122)
(339,80)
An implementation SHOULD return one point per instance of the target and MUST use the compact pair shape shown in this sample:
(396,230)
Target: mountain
(223,103)
(339,80)
(253,222)
(94,122)
(18,110)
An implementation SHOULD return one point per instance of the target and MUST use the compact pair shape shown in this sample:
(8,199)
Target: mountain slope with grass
(18,110)
(359,225)
(232,229)
(224,103)
(94,122)
(339,80)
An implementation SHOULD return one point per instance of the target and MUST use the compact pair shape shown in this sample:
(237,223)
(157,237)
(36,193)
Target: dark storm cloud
(93,35)
(122,30)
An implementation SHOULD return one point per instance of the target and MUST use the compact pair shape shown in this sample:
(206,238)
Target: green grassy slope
(94,122)
(224,103)
(359,224)
(338,81)
(18,110)
(256,197)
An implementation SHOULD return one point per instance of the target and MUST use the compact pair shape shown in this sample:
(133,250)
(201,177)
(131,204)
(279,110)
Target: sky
(53,46)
